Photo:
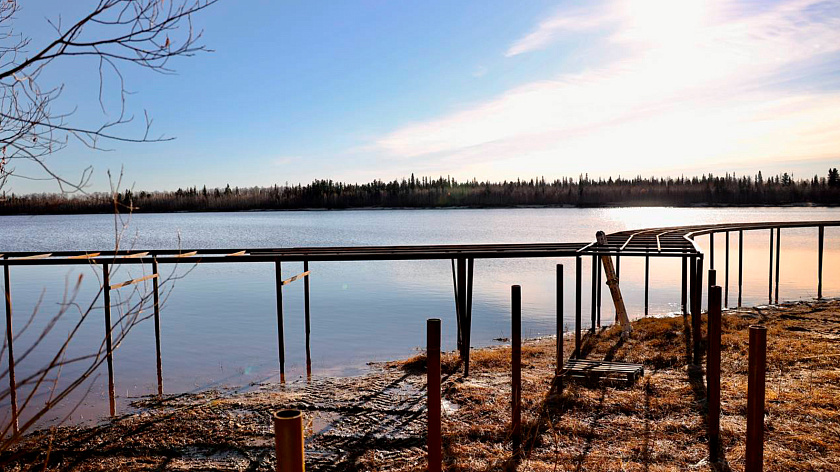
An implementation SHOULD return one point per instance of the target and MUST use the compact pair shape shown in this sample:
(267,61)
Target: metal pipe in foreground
(516,366)
(754,456)
(713,373)
(288,440)
(433,396)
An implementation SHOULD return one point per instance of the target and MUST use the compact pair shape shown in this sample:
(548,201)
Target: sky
(498,90)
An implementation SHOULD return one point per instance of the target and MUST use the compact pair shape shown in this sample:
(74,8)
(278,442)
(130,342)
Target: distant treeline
(447,192)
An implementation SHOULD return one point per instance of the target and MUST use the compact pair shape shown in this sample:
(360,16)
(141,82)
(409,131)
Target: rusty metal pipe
(516,367)
(306,318)
(156,299)
(559,314)
(288,440)
(713,373)
(821,241)
(106,293)
(9,342)
(578,295)
(778,260)
(754,456)
(740,265)
(433,396)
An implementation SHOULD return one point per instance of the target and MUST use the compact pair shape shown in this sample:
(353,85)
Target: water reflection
(219,322)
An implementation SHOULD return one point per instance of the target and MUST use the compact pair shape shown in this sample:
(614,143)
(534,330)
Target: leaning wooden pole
(612,283)
(10,344)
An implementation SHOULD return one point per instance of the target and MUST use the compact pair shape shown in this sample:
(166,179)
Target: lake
(218,322)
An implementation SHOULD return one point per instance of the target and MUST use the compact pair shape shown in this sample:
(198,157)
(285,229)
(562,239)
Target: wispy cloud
(697,83)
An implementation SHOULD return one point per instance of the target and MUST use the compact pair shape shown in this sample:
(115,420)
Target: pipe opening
(287,414)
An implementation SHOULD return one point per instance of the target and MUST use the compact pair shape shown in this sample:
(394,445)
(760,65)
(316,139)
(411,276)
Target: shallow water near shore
(219,324)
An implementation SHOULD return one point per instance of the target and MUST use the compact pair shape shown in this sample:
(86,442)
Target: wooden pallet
(602,370)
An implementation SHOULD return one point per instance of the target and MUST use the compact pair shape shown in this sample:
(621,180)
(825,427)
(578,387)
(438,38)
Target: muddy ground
(377,421)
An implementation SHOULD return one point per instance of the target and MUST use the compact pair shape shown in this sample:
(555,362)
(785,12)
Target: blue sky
(488,89)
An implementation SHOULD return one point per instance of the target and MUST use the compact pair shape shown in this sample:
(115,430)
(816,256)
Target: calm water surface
(219,321)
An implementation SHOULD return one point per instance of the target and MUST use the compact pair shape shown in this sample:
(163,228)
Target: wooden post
(10,342)
(307,325)
(713,373)
(433,396)
(770,285)
(754,456)
(594,302)
(281,343)
(578,296)
(726,275)
(821,240)
(467,323)
(778,260)
(559,322)
(156,299)
(516,367)
(684,292)
(647,281)
(106,293)
(740,265)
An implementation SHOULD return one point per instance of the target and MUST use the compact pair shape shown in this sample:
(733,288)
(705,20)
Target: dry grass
(656,424)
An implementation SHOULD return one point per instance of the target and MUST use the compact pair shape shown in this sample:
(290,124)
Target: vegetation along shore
(445,192)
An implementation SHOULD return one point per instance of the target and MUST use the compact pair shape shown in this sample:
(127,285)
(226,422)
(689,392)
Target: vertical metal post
(692,304)
(712,278)
(307,325)
(726,275)
(754,456)
(713,373)
(821,240)
(281,343)
(457,308)
(516,366)
(156,299)
(697,315)
(578,297)
(9,342)
(106,293)
(778,260)
(462,302)
(433,396)
(559,321)
(712,250)
(467,323)
(594,302)
(770,285)
(647,281)
(684,293)
(600,286)
(740,265)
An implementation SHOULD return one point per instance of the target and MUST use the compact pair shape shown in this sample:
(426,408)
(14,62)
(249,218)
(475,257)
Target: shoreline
(377,420)
(454,207)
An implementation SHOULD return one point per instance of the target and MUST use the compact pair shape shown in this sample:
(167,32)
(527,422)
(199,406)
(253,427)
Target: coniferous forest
(426,192)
